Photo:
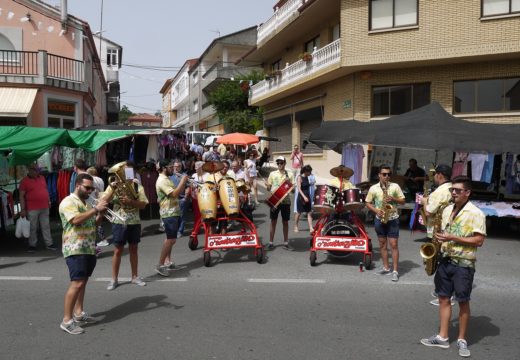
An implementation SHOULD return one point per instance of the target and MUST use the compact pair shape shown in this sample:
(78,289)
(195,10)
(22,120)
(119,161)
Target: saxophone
(430,251)
(386,207)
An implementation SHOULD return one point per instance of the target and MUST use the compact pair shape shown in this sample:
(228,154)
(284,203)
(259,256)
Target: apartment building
(368,60)
(111,56)
(166,104)
(216,64)
(50,72)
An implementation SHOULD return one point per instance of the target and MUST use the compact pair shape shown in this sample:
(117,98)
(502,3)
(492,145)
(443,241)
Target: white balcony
(178,98)
(298,71)
(282,16)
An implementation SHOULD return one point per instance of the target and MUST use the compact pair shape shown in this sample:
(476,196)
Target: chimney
(64,15)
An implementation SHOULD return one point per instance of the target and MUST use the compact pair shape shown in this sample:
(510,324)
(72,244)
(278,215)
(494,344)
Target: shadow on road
(4,266)
(480,328)
(136,305)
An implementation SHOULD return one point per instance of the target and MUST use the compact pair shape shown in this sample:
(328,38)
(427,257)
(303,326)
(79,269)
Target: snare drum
(207,199)
(277,197)
(352,199)
(325,198)
(228,193)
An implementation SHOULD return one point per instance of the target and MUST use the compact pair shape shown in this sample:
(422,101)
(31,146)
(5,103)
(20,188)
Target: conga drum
(277,197)
(207,199)
(228,193)
(325,198)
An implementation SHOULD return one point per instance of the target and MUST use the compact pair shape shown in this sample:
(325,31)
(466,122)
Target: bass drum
(338,227)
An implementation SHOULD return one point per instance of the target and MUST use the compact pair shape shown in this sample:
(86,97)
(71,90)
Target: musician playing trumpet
(382,199)
(276,178)
(128,231)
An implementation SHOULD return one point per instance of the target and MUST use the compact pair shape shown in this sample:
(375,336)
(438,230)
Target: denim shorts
(171,226)
(285,209)
(80,266)
(451,279)
(390,229)
(126,233)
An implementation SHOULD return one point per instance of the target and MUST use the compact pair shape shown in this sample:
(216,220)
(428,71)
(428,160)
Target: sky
(163,33)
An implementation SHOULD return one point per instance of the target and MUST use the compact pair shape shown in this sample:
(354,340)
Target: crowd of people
(462,225)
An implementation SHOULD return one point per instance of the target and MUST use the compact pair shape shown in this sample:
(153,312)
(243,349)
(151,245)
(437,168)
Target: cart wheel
(260,255)
(312,258)
(193,243)
(207,259)
(368,261)
(370,246)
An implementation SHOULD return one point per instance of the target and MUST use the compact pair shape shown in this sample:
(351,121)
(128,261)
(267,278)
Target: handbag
(23,228)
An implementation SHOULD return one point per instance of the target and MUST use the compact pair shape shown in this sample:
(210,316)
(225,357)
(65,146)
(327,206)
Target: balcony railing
(179,97)
(40,66)
(282,16)
(298,71)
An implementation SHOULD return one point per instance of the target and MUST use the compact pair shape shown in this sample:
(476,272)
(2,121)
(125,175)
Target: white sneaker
(138,281)
(103,243)
(112,285)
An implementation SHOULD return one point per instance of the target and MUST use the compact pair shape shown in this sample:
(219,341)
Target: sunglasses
(280,163)
(384,174)
(457,190)
(88,188)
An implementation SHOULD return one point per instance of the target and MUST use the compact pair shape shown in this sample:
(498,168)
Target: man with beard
(79,250)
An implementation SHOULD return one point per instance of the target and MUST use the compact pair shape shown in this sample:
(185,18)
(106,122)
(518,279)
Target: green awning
(27,144)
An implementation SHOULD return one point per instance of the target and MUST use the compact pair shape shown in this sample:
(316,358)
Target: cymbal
(341,171)
(212,166)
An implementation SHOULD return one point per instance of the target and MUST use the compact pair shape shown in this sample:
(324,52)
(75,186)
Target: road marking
(127,279)
(34,278)
(288,281)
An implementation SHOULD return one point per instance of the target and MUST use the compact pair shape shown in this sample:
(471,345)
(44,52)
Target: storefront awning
(178,124)
(16,102)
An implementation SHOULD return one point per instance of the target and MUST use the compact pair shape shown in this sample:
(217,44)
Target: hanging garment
(460,164)
(352,157)
(487,172)
(152,151)
(478,160)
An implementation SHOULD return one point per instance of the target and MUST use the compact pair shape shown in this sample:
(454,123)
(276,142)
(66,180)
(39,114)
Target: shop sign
(61,108)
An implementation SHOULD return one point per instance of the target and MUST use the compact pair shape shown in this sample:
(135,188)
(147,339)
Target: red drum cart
(339,230)
(247,237)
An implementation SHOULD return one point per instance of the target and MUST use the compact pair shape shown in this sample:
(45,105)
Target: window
(195,77)
(277,65)
(500,7)
(335,32)
(112,57)
(387,14)
(490,95)
(311,44)
(395,100)
(195,106)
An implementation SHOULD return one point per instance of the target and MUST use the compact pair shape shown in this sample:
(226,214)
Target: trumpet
(110,215)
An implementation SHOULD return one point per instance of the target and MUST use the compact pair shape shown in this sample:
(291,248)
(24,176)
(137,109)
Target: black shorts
(80,267)
(285,209)
(451,279)
(126,233)
(171,226)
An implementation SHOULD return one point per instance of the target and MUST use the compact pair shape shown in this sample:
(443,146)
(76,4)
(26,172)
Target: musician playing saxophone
(130,231)
(276,178)
(464,231)
(382,199)
(436,202)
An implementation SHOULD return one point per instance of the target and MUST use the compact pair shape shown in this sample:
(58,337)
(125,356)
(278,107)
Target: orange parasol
(238,139)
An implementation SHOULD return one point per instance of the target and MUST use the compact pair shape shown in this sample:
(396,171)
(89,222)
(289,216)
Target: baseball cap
(280,158)
(444,170)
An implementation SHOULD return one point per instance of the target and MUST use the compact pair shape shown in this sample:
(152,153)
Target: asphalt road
(239,309)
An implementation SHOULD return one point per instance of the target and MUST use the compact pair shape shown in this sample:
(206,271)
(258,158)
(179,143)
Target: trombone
(110,215)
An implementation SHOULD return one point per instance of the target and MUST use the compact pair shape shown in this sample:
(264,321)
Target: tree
(230,100)
(124,114)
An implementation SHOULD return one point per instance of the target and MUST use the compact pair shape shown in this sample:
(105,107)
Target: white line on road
(35,278)
(129,279)
(288,281)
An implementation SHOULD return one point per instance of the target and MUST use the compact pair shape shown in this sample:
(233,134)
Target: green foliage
(230,100)
(124,114)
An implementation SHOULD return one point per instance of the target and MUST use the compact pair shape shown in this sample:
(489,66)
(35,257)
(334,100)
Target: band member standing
(128,231)
(79,250)
(465,231)
(276,178)
(388,232)
(169,210)
(437,200)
